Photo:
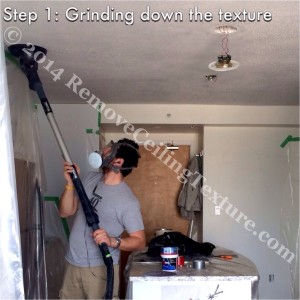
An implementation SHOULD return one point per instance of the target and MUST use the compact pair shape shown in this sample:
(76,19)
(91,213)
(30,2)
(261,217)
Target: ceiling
(167,62)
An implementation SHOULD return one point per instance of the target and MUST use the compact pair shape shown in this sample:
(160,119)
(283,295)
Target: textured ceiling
(167,62)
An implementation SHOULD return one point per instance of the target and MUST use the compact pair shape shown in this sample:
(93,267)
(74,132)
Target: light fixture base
(225,29)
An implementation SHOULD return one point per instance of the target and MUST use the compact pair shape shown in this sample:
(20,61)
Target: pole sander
(28,56)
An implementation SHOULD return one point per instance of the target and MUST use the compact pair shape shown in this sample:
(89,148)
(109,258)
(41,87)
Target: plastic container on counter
(169,257)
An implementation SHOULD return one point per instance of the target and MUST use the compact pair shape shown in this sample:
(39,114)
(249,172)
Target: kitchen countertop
(233,279)
(144,268)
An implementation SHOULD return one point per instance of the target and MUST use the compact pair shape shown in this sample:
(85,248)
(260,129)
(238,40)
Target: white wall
(195,114)
(247,165)
(207,114)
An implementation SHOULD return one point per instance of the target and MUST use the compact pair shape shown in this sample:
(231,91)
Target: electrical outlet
(217,210)
(271,277)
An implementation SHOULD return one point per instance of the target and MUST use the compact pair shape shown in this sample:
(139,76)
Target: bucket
(169,257)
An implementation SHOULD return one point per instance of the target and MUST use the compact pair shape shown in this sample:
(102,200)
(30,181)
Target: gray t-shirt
(118,210)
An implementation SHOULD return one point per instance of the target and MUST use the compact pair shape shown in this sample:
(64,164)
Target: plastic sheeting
(28,171)
(290,228)
(11,275)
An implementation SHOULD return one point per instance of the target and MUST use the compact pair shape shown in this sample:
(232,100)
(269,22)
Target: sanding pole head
(29,56)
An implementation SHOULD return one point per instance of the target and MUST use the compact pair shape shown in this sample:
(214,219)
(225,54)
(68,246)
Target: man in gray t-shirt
(118,210)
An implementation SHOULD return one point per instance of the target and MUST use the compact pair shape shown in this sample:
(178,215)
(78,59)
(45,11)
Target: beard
(105,170)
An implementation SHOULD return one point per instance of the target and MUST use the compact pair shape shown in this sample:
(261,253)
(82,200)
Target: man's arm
(68,201)
(135,240)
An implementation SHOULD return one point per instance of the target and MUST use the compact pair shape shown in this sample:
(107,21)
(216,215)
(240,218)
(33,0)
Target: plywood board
(157,188)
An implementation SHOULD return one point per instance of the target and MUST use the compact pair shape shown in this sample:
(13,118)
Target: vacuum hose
(29,66)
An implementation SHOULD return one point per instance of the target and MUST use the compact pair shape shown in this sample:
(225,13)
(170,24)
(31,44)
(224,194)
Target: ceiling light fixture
(224,61)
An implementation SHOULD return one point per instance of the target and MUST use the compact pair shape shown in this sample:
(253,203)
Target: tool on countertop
(226,257)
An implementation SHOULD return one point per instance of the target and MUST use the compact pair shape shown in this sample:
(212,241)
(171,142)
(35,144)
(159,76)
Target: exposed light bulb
(224,63)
